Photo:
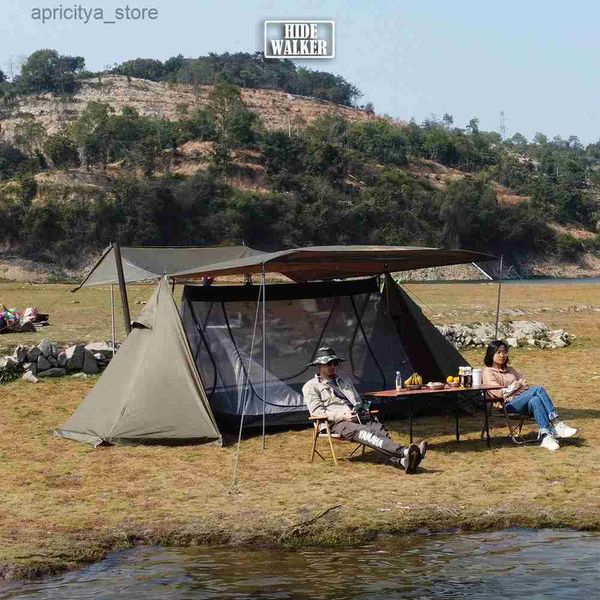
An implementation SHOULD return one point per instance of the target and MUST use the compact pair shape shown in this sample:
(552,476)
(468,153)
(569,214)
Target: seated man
(334,397)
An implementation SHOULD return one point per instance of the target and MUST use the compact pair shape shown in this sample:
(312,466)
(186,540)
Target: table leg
(410,423)
(456,418)
(487,421)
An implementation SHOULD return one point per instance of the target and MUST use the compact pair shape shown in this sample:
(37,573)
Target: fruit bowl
(413,386)
(453,384)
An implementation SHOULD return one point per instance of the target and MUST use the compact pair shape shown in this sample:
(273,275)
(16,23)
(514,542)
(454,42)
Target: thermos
(477,377)
(398,380)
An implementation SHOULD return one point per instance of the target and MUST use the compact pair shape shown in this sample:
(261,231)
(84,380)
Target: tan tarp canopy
(151,391)
(336,262)
(146,264)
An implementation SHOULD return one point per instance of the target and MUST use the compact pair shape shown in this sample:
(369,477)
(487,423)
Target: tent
(378,332)
(176,376)
(150,392)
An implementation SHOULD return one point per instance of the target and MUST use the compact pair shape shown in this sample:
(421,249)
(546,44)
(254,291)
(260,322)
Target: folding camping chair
(318,422)
(513,421)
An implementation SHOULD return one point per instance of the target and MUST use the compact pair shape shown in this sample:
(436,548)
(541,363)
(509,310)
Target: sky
(536,61)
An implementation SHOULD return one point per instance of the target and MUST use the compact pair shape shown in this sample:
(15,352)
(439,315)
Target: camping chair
(318,422)
(513,421)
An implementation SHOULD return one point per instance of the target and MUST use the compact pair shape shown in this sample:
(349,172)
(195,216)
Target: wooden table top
(425,390)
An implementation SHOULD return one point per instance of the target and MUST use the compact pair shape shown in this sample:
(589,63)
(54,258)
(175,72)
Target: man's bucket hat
(325,355)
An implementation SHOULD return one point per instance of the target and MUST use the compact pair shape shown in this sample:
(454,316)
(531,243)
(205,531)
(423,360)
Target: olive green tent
(151,391)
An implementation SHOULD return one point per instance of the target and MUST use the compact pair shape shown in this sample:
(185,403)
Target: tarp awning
(149,263)
(335,262)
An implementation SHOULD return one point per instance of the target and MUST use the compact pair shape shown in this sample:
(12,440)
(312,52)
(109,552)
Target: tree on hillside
(2,76)
(233,122)
(47,71)
(142,68)
(30,135)
(91,134)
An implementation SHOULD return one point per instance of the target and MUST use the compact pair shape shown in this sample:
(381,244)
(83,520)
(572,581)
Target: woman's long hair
(493,347)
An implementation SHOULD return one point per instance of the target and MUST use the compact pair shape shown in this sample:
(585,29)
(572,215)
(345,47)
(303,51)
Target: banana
(414,379)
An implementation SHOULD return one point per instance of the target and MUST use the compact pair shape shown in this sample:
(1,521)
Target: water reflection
(504,564)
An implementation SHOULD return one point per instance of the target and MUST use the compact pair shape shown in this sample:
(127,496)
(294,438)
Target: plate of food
(435,385)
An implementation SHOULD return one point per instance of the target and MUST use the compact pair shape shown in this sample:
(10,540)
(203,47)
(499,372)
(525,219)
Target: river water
(503,564)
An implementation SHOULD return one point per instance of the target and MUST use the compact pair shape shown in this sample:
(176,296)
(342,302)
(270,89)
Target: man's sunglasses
(334,363)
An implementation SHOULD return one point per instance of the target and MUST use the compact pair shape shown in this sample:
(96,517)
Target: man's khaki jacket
(321,400)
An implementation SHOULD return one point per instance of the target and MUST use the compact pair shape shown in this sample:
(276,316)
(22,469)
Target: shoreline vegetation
(65,504)
(234,149)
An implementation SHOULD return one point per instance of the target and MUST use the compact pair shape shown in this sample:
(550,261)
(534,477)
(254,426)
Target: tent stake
(122,288)
(112,318)
(264,352)
(498,299)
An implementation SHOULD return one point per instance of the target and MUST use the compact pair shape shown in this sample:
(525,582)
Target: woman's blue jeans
(534,401)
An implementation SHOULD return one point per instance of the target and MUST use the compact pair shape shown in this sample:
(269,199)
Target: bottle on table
(461,376)
(468,377)
(398,380)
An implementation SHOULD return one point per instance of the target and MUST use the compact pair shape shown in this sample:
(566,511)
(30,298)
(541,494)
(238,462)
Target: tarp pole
(112,318)
(498,299)
(246,393)
(264,353)
(122,288)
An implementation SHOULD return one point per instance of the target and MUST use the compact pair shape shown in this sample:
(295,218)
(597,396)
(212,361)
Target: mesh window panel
(355,325)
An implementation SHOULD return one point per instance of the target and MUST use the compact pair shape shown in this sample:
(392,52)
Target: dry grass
(64,503)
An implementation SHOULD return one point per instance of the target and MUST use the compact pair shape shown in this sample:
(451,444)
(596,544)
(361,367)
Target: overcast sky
(536,61)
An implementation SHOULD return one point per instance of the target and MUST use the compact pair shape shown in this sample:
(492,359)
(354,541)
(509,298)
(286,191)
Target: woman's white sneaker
(549,442)
(562,430)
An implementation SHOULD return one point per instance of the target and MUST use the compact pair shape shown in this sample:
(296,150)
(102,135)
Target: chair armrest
(317,418)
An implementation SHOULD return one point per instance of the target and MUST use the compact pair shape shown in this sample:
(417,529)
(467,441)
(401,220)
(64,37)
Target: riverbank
(65,504)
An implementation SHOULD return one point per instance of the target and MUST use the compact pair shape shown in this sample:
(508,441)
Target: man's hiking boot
(412,459)
(422,450)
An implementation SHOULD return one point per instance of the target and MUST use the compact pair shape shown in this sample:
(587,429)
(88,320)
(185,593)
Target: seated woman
(519,398)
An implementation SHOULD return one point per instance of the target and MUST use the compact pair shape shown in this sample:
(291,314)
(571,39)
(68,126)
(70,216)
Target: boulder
(45,347)
(100,347)
(512,342)
(43,363)
(62,359)
(30,377)
(27,366)
(90,366)
(20,354)
(79,375)
(53,372)
(54,349)
(75,357)
(33,354)
(53,361)
(7,361)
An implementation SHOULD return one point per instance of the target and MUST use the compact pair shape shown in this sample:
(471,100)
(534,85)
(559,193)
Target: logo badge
(299,39)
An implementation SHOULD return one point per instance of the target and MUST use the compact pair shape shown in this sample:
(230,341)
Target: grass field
(64,503)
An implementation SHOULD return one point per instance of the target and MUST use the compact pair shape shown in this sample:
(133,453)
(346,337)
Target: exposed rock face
(516,334)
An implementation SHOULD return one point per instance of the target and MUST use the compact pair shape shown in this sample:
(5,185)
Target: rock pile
(48,360)
(516,333)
